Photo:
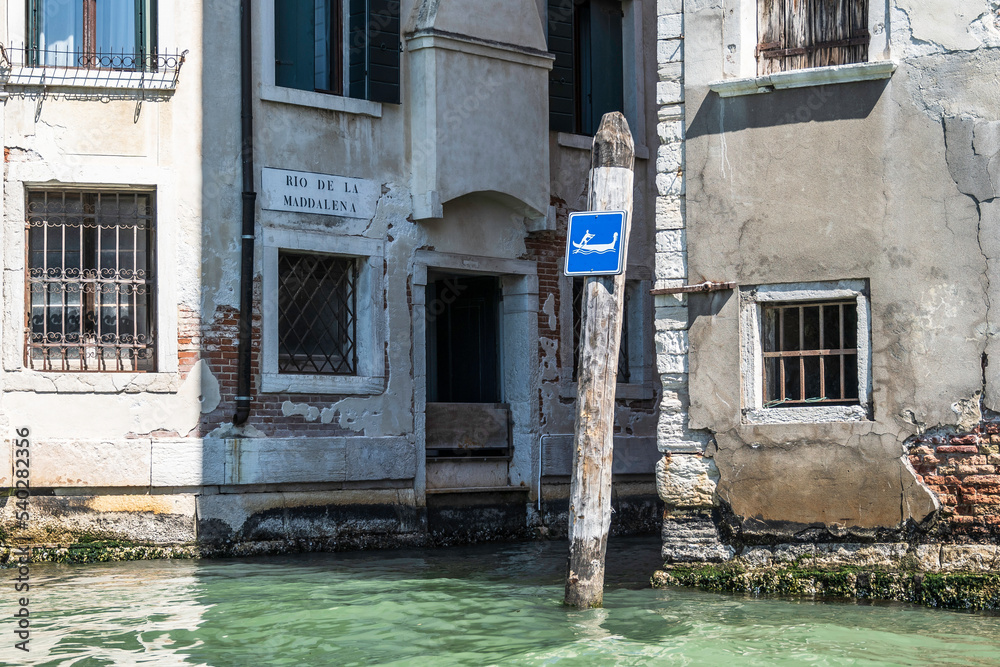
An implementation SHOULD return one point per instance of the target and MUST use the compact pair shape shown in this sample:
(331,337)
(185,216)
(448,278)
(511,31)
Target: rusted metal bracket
(707,286)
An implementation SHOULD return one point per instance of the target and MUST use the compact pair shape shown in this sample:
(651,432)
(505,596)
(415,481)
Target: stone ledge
(948,590)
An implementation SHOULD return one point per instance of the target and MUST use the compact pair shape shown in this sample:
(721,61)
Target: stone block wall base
(953,590)
(692,537)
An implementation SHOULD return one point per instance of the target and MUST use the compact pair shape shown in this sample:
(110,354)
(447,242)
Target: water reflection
(494,604)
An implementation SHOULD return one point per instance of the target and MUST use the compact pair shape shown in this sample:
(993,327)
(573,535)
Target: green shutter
(373,50)
(294,44)
(33,24)
(357,49)
(562,78)
(601,63)
(383,51)
(145,34)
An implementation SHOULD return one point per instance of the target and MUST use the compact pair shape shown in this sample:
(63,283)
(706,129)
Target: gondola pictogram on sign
(594,243)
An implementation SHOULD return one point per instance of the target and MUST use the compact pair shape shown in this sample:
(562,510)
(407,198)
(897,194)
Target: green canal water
(484,605)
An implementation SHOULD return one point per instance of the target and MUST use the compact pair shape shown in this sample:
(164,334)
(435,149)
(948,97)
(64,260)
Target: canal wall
(805,189)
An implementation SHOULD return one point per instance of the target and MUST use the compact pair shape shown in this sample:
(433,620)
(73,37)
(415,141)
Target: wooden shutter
(383,51)
(357,48)
(373,50)
(795,34)
(294,44)
(34,38)
(603,91)
(562,78)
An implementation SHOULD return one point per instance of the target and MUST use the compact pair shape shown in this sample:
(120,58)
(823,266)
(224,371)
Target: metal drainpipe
(243,390)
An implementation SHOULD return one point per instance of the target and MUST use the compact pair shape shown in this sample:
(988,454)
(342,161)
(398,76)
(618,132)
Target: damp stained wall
(892,181)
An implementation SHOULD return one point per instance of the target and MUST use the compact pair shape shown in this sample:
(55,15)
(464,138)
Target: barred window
(624,374)
(317,315)
(90,281)
(810,353)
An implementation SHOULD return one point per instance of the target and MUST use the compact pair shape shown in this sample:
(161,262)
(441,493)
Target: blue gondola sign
(594,243)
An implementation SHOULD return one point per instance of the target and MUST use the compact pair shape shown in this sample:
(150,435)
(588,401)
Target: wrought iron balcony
(30,66)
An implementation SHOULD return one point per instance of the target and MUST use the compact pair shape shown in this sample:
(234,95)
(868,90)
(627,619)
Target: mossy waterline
(950,590)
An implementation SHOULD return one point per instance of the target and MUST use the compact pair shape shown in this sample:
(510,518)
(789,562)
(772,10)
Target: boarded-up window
(797,34)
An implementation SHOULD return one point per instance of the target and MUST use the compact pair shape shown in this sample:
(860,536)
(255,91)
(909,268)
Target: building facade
(398,177)
(830,169)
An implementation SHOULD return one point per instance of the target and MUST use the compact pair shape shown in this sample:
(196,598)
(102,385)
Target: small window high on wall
(799,34)
(586,80)
(339,47)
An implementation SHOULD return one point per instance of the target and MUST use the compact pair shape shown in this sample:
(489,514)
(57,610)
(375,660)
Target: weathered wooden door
(467,427)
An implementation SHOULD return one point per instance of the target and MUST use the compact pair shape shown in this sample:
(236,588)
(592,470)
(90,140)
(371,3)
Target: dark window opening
(317,316)
(311,53)
(114,34)
(624,374)
(586,80)
(798,34)
(810,354)
(90,281)
(463,340)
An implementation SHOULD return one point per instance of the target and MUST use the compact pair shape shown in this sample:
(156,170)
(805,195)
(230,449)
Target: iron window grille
(624,375)
(317,314)
(810,353)
(89,288)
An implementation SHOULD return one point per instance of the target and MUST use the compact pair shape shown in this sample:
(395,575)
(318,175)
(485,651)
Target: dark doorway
(463,340)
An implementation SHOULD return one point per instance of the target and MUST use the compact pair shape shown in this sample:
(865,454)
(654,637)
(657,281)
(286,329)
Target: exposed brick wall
(217,343)
(547,250)
(963,470)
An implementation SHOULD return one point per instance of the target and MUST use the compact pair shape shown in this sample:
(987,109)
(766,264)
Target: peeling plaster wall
(306,463)
(890,181)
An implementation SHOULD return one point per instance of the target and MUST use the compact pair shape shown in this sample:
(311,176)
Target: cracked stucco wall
(890,181)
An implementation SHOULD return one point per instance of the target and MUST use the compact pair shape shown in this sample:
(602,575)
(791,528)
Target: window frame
(146,35)
(349,284)
(753,299)
(338,40)
(633,78)
(271,92)
(152,305)
(369,316)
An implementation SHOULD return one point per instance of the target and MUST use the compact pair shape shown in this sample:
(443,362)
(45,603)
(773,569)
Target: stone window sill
(277,383)
(586,143)
(43,382)
(305,98)
(816,76)
(810,415)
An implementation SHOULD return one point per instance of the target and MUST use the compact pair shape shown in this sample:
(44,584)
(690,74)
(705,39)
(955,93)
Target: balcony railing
(29,66)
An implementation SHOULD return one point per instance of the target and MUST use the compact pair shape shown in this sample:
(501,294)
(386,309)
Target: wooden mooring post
(611,178)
